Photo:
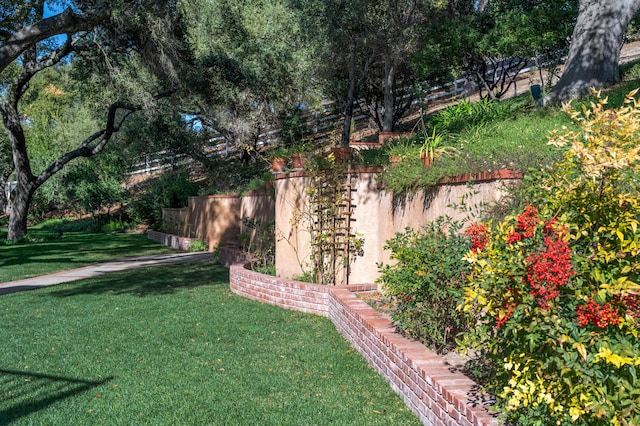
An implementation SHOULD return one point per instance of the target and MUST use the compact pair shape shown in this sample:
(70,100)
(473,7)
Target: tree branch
(85,149)
(67,22)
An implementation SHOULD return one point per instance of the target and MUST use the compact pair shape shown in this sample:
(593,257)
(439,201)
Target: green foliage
(484,139)
(96,184)
(371,157)
(466,114)
(492,44)
(227,175)
(555,288)
(426,282)
(171,189)
(197,245)
(259,243)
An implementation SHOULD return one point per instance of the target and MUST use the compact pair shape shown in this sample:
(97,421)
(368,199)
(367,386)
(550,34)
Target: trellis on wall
(333,243)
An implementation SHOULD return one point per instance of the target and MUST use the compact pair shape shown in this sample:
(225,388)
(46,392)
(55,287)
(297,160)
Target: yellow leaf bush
(555,287)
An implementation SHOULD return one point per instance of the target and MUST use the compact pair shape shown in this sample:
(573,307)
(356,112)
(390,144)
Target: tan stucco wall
(215,218)
(292,237)
(218,218)
(378,216)
(259,207)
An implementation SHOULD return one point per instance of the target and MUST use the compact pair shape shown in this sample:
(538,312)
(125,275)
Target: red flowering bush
(555,288)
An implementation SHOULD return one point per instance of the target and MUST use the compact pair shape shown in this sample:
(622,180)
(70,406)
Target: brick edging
(430,388)
(171,240)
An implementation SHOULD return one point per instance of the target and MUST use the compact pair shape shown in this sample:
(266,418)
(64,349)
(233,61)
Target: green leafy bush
(466,114)
(172,189)
(555,288)
(426,282)
(197,245)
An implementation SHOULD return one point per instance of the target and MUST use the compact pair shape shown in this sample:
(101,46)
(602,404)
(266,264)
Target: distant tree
(107,38)
(363,53)
(250,68)
(594,54)
(492,44)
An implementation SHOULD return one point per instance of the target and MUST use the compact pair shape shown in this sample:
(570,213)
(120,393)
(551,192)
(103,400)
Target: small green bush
(197,245)
(466,114)
(172,189)
(426,284)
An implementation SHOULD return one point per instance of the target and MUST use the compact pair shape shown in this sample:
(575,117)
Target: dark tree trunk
(5,172)
(594,53)
(389,100)
(351,98)
(26,181)
(19,212)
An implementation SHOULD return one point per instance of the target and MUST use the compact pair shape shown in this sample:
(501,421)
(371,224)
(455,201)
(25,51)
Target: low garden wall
(429,386)
(217,219)
(175,241)
(376,215)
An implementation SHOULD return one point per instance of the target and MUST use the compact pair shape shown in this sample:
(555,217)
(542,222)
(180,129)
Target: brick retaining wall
(429,387)
(288,294)
(180,243)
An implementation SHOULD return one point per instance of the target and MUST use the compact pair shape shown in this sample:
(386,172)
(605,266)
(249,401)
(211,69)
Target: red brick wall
(429,387)
(288,294)
(427,384)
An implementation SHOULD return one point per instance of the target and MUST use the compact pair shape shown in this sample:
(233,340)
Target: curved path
(101,269)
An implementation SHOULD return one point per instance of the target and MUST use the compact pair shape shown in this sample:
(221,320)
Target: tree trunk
(26,185)
(19,212)
(389,101)
(594,53)
(351,98)
(4,197)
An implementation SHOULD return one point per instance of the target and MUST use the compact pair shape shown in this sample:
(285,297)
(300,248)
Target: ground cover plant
(48,250)
(555,286)
(173,345)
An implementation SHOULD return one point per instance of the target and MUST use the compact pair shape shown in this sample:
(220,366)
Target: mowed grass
(45,253)
(172,345)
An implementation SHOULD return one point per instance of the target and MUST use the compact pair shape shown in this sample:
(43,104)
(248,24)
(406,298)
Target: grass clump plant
(173,345)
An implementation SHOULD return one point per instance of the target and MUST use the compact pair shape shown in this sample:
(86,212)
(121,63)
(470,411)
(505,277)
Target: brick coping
(487,176)
(431,388)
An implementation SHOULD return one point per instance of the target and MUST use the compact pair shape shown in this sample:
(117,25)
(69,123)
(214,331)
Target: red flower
(548,270)
(600,315)
(513,236)
(479,236)
(528,221)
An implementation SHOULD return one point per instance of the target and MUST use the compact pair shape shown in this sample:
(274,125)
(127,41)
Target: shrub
(555,287)
(171,189)
(427,281)
(197,245)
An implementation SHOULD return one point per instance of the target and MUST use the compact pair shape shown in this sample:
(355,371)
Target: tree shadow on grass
(149,281)
(23,393)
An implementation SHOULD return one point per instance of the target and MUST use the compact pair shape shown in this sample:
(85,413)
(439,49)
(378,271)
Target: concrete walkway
(101,269)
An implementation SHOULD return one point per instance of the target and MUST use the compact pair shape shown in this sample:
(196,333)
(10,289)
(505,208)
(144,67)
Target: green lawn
(172,345)
(47,253)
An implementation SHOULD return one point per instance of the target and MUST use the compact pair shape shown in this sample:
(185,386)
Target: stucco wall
(217,219)
(377,215)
